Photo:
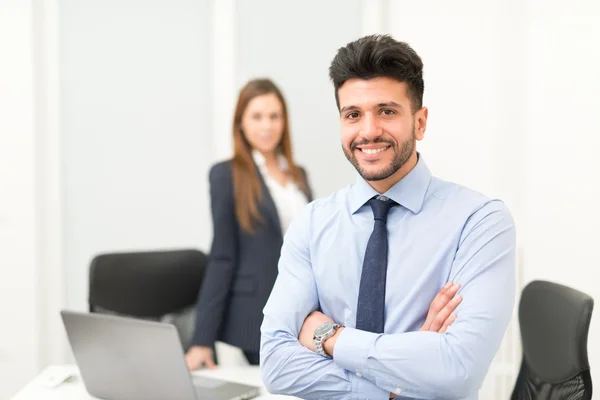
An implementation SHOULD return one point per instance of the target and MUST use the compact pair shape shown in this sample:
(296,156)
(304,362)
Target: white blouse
(289,199)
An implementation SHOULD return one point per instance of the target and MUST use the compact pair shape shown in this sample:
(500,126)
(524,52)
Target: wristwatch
(322,333)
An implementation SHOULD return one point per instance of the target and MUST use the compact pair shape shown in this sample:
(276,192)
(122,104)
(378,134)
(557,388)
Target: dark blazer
(242,268)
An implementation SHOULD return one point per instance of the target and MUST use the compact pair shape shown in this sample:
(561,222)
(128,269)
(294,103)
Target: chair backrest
(554,322)
(147,284)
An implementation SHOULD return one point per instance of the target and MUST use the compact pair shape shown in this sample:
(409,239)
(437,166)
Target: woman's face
(262,123)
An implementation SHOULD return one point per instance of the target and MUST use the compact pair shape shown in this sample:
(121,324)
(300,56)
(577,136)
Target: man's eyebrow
(386,104)
(348,108)
(389,104)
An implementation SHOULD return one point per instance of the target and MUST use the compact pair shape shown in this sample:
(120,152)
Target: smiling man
(350,314)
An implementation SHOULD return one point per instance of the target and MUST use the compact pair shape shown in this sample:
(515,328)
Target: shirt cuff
(351,350)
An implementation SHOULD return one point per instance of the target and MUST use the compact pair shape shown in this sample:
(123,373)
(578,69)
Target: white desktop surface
(74,389)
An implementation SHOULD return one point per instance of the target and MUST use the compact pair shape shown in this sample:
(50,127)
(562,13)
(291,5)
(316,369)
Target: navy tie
(371,295)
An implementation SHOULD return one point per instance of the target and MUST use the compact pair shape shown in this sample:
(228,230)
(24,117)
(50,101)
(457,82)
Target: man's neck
(384,185)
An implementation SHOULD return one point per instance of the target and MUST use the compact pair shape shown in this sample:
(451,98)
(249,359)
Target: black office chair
(146,284)
(554,322)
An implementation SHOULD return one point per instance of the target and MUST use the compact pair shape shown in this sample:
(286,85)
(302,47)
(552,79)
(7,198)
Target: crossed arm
(424,364)
(439,317)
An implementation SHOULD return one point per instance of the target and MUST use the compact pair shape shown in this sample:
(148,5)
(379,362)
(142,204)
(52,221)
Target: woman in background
(254,197)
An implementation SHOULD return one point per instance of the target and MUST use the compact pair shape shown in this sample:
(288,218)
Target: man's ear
(421,123)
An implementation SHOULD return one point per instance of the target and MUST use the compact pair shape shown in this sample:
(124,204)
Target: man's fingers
(444,314)
(443,297)
(448,322)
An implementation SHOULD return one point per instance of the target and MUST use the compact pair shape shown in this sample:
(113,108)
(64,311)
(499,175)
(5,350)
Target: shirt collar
(409,192)
(260,160)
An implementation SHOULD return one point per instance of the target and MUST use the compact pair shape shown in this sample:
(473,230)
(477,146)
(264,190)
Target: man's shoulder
(459,197)
(318,212)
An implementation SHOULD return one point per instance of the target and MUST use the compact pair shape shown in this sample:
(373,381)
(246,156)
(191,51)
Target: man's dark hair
(379,56)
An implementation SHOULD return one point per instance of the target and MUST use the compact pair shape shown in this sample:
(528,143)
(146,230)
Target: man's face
(379,129)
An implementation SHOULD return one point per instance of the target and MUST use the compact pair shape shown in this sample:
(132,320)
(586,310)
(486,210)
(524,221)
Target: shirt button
(358,374)
(398,390)
(383,198)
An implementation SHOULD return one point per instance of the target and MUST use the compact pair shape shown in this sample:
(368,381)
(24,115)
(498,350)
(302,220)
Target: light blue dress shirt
(439,232)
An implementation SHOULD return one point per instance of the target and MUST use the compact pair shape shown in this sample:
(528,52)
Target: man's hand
(197,356)
(441,310)
(312,322)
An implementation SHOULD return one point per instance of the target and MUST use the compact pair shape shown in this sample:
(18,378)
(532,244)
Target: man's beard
(400,158)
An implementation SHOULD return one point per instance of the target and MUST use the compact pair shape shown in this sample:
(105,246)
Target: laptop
(130,359)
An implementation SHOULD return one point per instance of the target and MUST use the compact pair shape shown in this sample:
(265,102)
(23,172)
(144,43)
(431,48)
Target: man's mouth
(373,150)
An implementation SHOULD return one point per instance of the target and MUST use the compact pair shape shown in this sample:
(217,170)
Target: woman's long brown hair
(246,182)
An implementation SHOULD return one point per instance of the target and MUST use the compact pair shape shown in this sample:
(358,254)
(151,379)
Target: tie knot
(381,206)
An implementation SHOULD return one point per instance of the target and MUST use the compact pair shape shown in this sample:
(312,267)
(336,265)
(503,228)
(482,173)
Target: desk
(74,389)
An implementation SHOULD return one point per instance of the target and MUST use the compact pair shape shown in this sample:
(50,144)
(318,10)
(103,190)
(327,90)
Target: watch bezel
(323,329)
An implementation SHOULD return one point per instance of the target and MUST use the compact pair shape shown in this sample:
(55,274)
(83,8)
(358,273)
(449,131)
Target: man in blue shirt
(358,269)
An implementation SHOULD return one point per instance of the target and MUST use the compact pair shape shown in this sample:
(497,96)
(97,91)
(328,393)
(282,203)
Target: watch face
(323,329)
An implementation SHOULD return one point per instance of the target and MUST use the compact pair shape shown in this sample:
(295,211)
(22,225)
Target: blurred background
(112,112)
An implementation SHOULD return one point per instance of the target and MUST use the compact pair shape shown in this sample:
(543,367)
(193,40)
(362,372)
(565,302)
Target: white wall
(31,269)
(18,221)
(136,129)
(563,143)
